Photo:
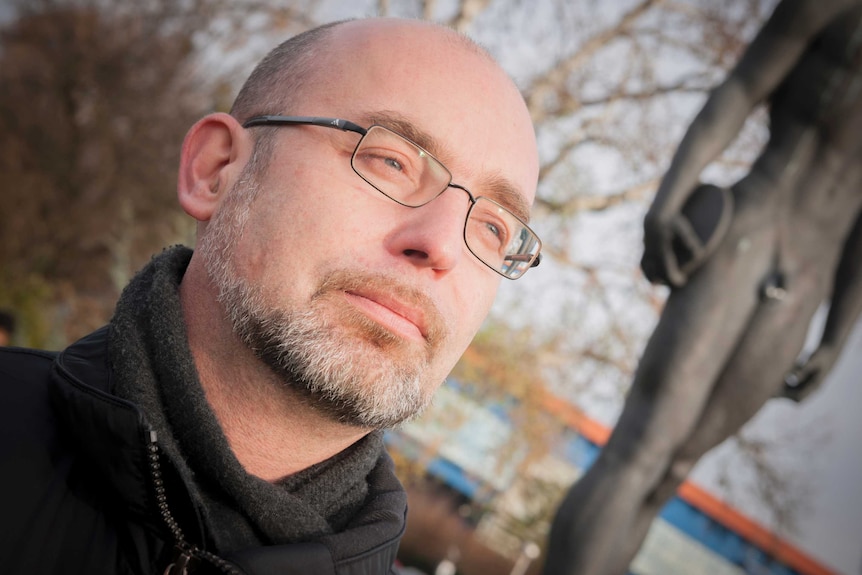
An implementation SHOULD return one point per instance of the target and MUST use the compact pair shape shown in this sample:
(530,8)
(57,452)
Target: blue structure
(695,532)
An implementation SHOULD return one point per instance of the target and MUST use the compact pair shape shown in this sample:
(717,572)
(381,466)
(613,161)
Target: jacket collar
(113,437)
(110,433)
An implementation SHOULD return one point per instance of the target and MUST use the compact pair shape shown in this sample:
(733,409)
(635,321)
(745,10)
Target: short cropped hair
(279,78)
(275,83)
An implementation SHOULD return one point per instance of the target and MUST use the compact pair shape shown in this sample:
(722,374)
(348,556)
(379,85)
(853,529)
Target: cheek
(276,251)
(298,222)
(324,215)
(473,304)
(464,324)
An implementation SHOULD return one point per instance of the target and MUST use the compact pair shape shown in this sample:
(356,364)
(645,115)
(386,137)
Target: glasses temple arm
(272,120)
(524,258)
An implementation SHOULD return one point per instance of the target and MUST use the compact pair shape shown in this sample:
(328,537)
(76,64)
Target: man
(7,327)
(227,420)
(748,268)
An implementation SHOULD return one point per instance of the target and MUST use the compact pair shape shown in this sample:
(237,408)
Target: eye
(393,163)
(489,232)
(385,163)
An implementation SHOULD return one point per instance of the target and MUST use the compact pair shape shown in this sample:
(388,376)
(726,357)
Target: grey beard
(331,371)
(326,368)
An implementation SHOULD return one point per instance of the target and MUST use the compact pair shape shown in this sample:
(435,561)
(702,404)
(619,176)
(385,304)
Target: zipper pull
(180,565)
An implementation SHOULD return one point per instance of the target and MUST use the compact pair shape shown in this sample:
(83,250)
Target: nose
(432,236)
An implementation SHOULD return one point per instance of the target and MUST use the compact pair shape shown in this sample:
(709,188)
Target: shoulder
(57,510)
(24,377)
(30,444)
(28,428)
(19,364)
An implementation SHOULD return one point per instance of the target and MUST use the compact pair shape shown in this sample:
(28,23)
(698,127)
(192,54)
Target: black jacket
(86,490)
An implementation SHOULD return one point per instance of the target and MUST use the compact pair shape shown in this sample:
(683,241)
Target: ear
(214,151)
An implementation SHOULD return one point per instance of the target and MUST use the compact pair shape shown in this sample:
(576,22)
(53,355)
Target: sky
(831,525)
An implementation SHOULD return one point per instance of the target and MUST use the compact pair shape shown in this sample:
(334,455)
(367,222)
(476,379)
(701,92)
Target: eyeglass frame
(348,126)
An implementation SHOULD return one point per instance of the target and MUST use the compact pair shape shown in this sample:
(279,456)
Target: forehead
(432,86)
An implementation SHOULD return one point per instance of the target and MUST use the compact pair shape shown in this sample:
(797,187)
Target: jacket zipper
(187,551)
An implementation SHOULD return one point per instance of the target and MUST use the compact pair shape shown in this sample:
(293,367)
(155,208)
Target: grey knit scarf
(152,366)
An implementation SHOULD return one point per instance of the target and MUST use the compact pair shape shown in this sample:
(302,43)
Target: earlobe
(211,153)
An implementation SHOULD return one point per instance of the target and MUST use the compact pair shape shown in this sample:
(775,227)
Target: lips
(392,312)
(403,310)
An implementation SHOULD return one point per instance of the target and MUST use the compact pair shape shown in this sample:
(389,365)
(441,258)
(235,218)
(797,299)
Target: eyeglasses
(409,175)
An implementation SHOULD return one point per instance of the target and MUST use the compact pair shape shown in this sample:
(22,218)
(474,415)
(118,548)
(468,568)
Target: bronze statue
(748,267)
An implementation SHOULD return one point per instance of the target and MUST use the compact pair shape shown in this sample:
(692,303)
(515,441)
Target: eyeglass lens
(412,177)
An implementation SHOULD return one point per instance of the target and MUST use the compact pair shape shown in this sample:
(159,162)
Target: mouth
(406,312)
(394,314)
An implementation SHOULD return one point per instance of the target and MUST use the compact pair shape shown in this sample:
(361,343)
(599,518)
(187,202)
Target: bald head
(357,69)
(277,81)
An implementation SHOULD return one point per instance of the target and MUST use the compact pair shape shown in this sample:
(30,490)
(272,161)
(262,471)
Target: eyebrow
(403,126)
(506,194)
(495,187)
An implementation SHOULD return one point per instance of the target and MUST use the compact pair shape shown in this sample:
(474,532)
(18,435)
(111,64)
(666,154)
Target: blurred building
(513,488)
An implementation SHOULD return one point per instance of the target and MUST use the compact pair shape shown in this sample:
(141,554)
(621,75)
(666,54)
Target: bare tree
(97,96)
(92,114)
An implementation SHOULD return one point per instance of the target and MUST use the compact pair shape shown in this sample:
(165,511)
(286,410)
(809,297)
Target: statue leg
(696,335)
(844,310)
(771,343)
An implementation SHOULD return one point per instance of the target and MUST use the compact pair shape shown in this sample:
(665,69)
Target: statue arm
(844,311)
(769,58)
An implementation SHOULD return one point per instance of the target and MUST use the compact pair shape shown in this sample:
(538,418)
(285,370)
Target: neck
(272,431)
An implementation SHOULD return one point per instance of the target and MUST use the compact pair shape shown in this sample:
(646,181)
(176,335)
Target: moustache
(390,289)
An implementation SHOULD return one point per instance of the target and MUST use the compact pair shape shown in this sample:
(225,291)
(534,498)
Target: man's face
(359,303)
